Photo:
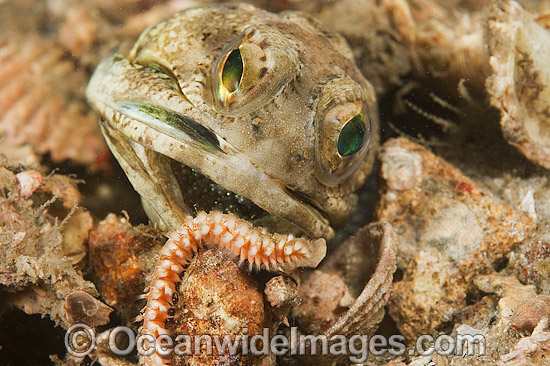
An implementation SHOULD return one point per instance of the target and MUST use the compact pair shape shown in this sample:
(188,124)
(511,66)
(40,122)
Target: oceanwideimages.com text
(80,342)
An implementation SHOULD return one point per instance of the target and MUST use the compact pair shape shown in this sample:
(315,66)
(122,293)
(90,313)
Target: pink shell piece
(29,181)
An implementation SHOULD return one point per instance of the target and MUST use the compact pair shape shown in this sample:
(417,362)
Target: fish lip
(307,200)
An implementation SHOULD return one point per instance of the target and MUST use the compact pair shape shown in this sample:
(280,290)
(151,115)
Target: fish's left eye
(342,141)
(352,136)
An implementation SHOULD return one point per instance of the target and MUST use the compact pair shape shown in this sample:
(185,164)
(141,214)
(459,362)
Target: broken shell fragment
(29,181)
(530,313)
(511,292)
(82,307)
(41,102)
(356,281)
(532,350)
(323,298)
(450,231)
(520,81)
(447,40)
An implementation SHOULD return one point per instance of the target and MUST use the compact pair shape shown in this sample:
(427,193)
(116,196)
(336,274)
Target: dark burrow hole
(398,275)
(500,264)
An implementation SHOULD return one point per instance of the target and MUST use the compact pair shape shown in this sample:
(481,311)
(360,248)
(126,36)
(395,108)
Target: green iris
(232,71)
(351,137)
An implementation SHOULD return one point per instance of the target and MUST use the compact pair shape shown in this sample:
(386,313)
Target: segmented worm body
(253,244)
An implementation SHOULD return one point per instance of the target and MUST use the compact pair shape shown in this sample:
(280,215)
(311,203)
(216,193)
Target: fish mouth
(246,191)
(203,194)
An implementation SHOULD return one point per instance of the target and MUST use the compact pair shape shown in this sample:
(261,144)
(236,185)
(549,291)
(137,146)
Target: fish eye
(251,69)
(232,73)
(342,141)
(352,136)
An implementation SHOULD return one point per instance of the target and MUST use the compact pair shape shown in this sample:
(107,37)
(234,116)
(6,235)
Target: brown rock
(121,257)
(532,263)
(449,231)
(216,297)
(281,291)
